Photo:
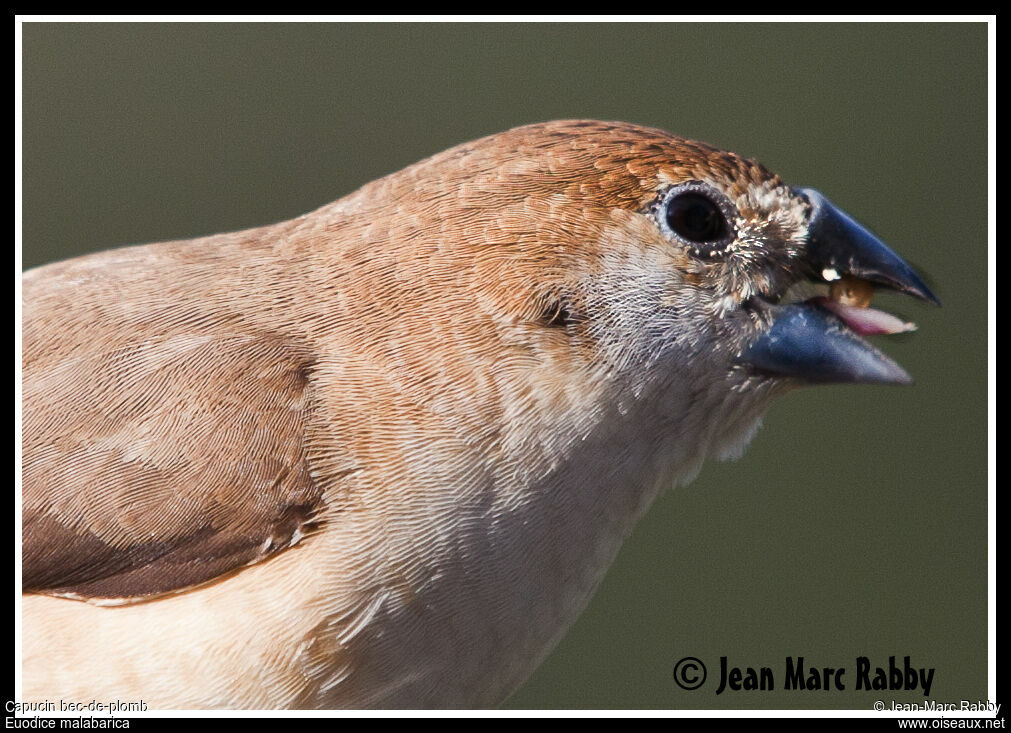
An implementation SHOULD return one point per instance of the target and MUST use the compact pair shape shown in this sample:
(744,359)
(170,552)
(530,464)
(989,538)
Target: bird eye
(694,217)
(699,217)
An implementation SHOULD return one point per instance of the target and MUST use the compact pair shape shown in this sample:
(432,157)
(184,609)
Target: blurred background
(856,523)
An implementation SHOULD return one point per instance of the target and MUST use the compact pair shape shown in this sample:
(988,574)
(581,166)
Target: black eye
(694,217)
(699,217)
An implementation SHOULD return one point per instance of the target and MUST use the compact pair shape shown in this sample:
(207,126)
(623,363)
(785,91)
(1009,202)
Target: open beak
(819,341)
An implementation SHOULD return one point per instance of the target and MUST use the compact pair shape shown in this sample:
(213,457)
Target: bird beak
(837,242)
(817,341)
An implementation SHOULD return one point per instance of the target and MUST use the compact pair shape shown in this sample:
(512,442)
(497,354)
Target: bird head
(682,275)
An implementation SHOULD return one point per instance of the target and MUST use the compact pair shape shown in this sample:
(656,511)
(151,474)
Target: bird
(382,454)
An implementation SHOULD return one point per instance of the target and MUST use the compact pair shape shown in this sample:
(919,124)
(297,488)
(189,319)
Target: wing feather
(159,465)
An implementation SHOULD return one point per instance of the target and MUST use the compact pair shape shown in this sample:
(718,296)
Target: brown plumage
(395,441)
(168,392)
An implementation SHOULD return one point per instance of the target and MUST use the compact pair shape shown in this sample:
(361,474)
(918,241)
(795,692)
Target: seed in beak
(851,291)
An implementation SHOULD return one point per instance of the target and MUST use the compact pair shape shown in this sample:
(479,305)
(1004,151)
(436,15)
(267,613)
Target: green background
(856,523)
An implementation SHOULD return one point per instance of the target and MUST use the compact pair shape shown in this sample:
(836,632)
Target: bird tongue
(865,321)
